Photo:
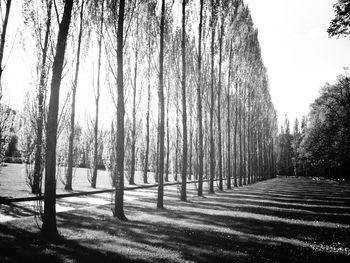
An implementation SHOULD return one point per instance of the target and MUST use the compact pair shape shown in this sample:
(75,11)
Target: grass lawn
(279,220)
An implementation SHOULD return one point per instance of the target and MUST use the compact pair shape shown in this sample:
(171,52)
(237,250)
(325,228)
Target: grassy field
(13,180)
(279,220)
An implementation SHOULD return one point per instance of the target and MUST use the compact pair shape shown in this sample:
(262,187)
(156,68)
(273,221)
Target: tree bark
(199,104)
(119,191)
(219,109)
(212,146)
(97,100)
(166,179)
(69,178)
(229,121)
(133,133)
(184,110)
(49,227)
(160,198)
(235,137)
(2,41)
(38,164)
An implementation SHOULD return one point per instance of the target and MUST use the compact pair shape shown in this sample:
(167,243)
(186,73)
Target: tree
(326,143)
(97,98)
(119,189)
(133,132)
(160,198)
(3,39)
(184,113)
(49,227)
(199,104)
(69,176)
(212,146)
(38,166)
(340,25)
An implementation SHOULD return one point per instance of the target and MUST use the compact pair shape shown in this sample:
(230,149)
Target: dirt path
(280,220)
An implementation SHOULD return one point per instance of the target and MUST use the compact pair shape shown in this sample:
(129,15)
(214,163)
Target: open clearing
(279,220)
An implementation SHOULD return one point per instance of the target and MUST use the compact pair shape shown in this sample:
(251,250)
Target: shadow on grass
(282,220)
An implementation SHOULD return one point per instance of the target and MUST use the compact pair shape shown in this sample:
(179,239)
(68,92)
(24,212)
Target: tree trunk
(119,191)
(133,133)
(235,137)
(38,169)
(2,41)
(240,144)
(166,179)
(199,104)
(49,227)
(184,113)
(228,161)
(219,109)
(145,170)
(97,100)
(69,178)
(212,146)
(160,198)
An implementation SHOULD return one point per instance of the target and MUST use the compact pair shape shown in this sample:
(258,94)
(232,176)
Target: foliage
(7,117)
(340,25)
(327,141)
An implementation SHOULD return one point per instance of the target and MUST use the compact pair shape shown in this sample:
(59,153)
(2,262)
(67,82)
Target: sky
(299,56)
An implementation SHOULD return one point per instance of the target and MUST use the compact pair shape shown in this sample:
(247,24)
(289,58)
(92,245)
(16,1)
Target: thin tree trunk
(248,139)
(97,100)
(244,138)
(228,161)
(166,179)
(2,41)
(199,105)
(38,169)
(160,198)
(212,146)
(133,133)
(240,145)
(148,109)
(49,227)
(184,113)
(177,137)
(119,191)
(219,109)
(69,178)
(235,137)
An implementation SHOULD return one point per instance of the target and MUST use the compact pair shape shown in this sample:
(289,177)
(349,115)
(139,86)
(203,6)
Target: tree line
(321,145)
(199,62)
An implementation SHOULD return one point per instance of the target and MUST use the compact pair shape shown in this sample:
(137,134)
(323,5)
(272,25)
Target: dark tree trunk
(240,144)
(160,198)
(49,227)
(235,137)
(184,113)
(212,146)
(38,164)
(219,109)
(119,191)
(97,100)
(228,161)
(199,104)
(2,41)
(69,178)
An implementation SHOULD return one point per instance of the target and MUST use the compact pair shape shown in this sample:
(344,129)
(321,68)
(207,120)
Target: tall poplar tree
(49,227)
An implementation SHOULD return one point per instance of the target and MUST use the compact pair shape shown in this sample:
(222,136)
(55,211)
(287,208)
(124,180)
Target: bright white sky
(299,55)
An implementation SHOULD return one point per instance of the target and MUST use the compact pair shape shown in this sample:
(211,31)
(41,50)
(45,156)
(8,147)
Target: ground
(278,220)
